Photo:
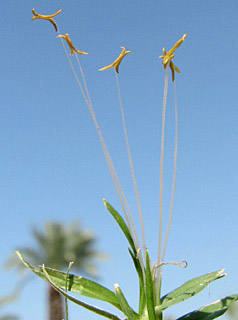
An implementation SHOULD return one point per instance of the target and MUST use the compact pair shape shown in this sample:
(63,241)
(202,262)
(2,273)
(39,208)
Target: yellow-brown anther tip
(124,49)
(117,62)
(46,17)
(167,57)
(81,52)
(70,44)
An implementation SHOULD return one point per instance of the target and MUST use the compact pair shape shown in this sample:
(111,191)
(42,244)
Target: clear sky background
(52,165)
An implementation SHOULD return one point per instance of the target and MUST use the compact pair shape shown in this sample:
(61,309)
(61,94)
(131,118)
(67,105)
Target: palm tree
(9,317)
(4,300)
(56,246)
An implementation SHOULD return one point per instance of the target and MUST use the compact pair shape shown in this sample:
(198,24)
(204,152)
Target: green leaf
(149,289)
(189,289)
(120,221)
(66,289)
(82,304)
(211,311)
(127,310)
(76,284)
(137,265)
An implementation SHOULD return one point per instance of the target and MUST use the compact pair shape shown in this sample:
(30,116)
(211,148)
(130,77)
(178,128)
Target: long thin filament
(174,173)
(162,162)
(131,165)
(112,170)
(109,161)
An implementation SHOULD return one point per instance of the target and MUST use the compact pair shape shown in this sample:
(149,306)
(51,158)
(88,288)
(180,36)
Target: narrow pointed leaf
(125,307)
(211,311)
(76,284)
(94,309)
(137,265)
(120,221)
(189,289)
(149,289)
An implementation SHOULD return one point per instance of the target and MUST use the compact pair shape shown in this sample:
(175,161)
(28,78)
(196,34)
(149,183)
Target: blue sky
(52,164)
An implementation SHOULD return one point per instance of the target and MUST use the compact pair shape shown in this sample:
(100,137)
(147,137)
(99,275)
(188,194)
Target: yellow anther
(70,44)
(117,62)
(167,57)
(46,17)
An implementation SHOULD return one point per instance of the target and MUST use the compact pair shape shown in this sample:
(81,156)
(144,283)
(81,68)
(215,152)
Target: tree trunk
(55,305)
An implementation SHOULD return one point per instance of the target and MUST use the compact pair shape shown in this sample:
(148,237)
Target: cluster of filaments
(167,63)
